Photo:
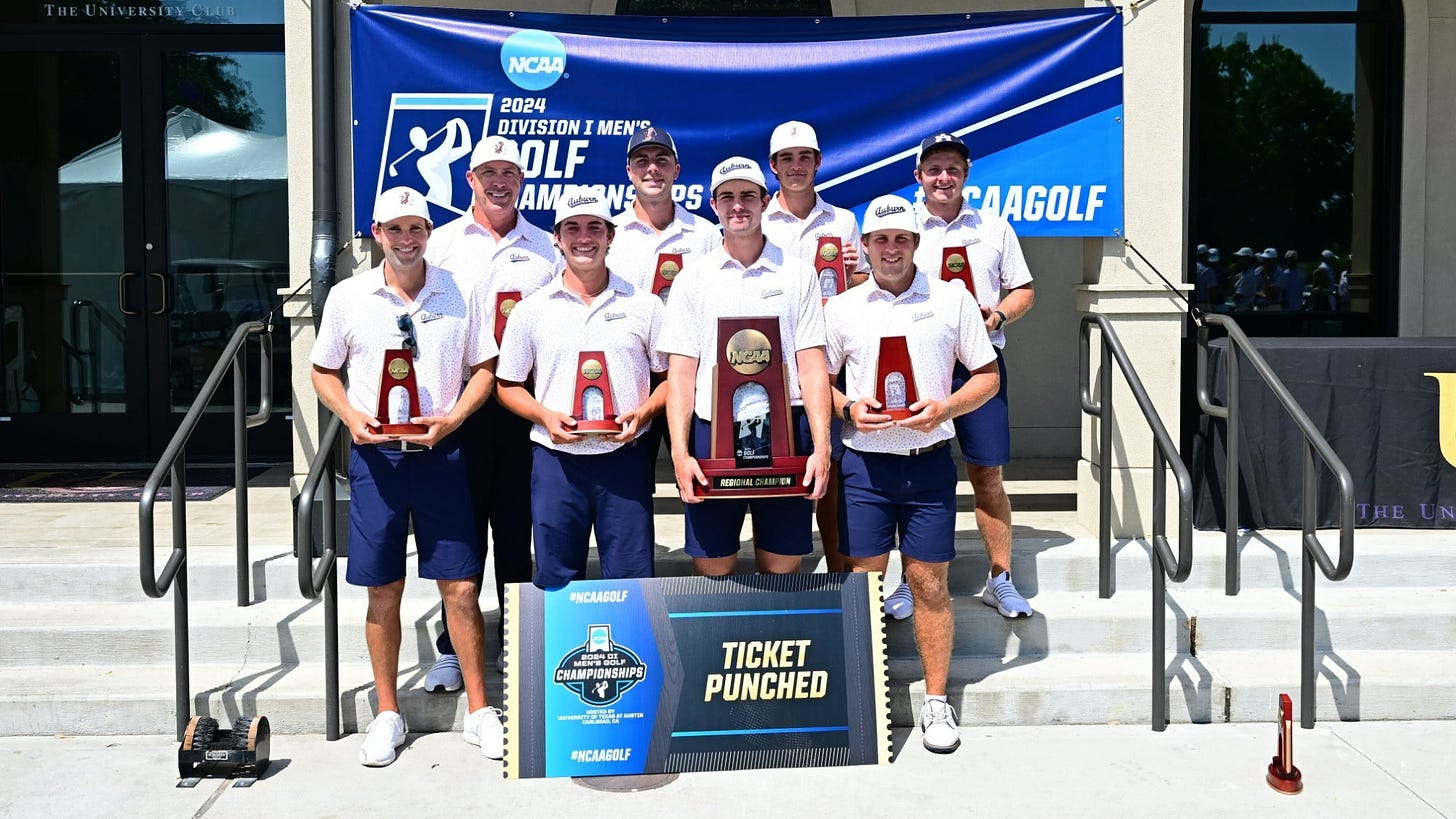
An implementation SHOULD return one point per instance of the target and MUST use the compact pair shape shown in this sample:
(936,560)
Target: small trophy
(505,302)
(668,266)
(829,262)
(752,450)
(1283,776)
(399,396)
(593,408)
(895,379)
(955,266)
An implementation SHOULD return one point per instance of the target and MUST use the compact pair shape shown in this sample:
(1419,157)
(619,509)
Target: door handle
(121,294)
(163,279)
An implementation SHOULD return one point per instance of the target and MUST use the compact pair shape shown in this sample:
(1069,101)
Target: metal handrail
(322,578)
(1314,444)
(1166,566)
(174,573)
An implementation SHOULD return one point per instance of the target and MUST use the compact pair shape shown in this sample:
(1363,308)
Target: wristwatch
(1002,317)
(848,418)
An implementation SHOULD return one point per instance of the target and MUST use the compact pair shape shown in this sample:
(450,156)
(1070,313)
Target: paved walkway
(1368,769)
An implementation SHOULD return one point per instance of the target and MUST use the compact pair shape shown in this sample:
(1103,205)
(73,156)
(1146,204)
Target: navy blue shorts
(573,494)
(984,434)
(781,525)
(909,498)
(388,489)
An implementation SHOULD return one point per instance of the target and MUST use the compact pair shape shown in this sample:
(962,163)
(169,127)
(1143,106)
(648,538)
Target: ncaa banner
(1036,95)
(619,677)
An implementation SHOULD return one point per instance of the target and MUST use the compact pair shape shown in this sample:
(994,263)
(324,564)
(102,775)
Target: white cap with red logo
(399,202)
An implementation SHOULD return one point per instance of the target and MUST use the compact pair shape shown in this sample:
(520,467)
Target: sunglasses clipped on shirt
(407,326)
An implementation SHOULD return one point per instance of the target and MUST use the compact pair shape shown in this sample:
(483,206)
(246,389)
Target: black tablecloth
(1374,404)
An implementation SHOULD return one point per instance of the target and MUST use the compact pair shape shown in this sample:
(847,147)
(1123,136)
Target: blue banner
(1036,95)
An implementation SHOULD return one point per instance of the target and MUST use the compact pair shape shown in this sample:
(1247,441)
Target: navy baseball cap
(650,135)
(943,141)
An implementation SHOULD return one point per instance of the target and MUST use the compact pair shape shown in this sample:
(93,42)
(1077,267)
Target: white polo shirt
(991,248)
(716,286)
(800,237)
(941,324)
(361,321)
(633,254)
(550,328)
(524,259)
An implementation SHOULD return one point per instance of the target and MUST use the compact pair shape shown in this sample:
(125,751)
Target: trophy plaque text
(668,266)
(593,408)
(895,378)
(505,302)
(955,266)
(829,263)
(752,449)
(399,396)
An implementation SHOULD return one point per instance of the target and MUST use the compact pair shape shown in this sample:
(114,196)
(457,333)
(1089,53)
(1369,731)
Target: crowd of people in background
(1261,281)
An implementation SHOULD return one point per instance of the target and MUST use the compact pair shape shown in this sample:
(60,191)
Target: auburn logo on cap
(404,198)
(499,146)
(886,210)
(652,133)
(733,166)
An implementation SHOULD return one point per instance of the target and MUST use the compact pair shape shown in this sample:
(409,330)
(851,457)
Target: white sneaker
(939,729)
(444,675)
(381,738)
(484,728)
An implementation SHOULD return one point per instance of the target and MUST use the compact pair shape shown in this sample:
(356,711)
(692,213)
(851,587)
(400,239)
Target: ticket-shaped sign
(619,677)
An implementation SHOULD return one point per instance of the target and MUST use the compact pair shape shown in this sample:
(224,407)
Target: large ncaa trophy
(829,264)
(505,302)
(399,396)
(895,378)
(955,266)
(593,408)
(668,266)
(752,449)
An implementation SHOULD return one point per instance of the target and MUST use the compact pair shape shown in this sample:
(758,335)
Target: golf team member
(796,219)
(998,265)
(495,247)
(899,478)
(583,482)
(408,303)
(654,224)
(747,276)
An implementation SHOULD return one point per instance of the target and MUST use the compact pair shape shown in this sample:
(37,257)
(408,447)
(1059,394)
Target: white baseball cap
(890,212)
(494,148)
(793,134)
(583,200)
(399,202)
(740,168)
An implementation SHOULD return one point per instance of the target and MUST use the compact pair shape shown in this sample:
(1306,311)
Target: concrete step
(1354,684)
(1345,619)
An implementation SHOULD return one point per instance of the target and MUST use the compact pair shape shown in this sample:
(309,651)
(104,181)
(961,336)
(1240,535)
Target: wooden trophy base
(782,478)
(403,429)
(1291,783)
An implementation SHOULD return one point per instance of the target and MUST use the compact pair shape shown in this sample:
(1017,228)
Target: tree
(1276,147)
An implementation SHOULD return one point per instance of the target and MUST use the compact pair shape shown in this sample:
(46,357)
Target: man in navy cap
(1003,286)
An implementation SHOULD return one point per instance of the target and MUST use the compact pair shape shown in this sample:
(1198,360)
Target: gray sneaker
(444,675)
(1001,595)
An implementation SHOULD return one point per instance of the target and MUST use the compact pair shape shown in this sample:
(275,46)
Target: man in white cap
(495,246)
(899,477)
(1245,276)
(988,244)
(747,276)
(406,303)
(582,482)
(796,219)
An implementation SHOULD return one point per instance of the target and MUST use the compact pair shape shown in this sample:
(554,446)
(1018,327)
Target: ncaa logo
(533,60)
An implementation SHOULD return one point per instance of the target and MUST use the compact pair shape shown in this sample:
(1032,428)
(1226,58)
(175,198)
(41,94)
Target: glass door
(144,218)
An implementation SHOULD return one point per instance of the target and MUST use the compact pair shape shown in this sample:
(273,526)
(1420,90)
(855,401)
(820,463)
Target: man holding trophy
(589,337)
(896,338)
(727,393)
(411,335)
